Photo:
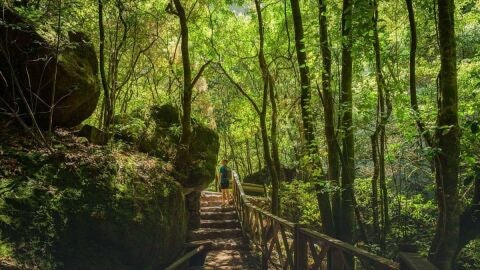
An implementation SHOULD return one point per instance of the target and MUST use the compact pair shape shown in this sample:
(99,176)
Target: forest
(359,119)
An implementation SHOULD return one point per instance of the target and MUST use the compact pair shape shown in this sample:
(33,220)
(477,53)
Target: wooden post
(300,249)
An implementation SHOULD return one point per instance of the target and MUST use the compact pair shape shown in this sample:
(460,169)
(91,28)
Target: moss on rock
(88,207)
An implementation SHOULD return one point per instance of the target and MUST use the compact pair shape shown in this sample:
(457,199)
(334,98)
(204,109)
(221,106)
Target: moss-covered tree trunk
(329,112)
(378,138)
(447,140)
(348,156)
(308,127)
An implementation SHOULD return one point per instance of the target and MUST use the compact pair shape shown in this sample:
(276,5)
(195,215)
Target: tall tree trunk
(306,109)
(257,151)
(412,74)
(273,131)
(249,157)
(374,185)
(187,77)
(269,165)
(384,109)
(106,108)
(182,157)
(348,156)
(447,140)
(266,77)
(329,112)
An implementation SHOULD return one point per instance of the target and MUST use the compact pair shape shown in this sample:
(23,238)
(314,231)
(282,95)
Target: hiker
(225,175)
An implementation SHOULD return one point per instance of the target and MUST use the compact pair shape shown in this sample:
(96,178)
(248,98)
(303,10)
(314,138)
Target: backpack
(228,172)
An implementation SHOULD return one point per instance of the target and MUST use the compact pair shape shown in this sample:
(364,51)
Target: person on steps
(225,175)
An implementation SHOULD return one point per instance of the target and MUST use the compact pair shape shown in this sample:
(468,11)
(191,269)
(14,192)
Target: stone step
(231,259)
(212,233)
(217,208)
(238,267)
(211,199)
(218,215)
(226,243)
(223,268)
(211,196)
(210,203)
(224,223)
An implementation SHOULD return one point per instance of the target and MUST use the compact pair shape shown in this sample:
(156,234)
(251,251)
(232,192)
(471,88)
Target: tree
(378,138)
(308,127)
(447,140)
(181,159)
(348,156)
(329,111)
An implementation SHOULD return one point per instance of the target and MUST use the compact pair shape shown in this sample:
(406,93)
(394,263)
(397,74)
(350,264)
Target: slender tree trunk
(329,112)
(412,74)
(348,156)
(447,139)
(266,77)
(323,199)
(375,213)
(249,157)
(187,77)
(273,131)
(257,151)
(182,157)
(234,155)
(269,165)
(384,109)
(106,91)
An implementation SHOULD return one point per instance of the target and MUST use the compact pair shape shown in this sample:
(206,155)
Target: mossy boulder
(261,177)
(86,207)
(94,135)
(159,136)
(69,75)
(204,149)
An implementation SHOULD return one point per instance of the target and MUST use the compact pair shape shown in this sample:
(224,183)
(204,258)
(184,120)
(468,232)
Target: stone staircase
(220,225)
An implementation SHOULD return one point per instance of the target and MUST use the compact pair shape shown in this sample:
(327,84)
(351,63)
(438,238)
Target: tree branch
(240,89)
(199,74)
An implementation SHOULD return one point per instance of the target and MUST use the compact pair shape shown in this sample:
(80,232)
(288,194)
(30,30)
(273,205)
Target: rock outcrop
(89,208)
(261,177)
(160,135)
(32,71)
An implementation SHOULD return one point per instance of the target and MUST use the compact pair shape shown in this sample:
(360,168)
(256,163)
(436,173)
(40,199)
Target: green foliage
(299,203)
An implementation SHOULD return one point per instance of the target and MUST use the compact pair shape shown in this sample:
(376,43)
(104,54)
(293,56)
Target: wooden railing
(195,254)
(286,245)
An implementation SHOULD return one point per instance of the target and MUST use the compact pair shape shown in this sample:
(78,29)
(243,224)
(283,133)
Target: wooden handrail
(361,254)
(288,245)
(187,256)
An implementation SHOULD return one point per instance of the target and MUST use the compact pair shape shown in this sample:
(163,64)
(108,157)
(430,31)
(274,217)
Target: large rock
(90,208)
(30,65)
(261,177)
(160,135)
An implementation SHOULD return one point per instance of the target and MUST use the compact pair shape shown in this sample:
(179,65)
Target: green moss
(91,208)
